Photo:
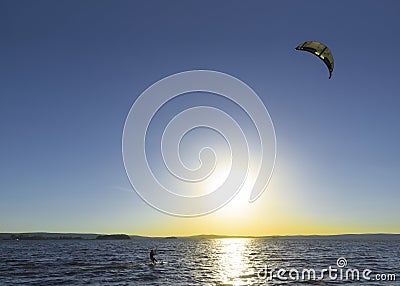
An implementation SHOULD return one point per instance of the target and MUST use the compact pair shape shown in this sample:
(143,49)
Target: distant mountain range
(92,236)
(72,236)
(376,236)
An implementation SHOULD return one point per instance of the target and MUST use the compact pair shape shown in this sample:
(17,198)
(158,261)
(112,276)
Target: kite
(321,51)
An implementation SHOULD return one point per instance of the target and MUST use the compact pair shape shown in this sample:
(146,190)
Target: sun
(240,206)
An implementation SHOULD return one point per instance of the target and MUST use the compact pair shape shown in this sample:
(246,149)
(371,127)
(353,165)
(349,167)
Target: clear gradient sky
(70,71)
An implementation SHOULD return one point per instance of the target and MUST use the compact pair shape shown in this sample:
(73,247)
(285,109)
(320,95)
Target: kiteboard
(157,263)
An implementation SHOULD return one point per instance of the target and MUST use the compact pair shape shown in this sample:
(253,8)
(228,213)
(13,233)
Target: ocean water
(230,261)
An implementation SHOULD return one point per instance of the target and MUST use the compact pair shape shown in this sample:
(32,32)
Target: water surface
(230,261)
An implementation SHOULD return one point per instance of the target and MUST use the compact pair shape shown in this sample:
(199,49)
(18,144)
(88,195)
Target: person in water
(152,258)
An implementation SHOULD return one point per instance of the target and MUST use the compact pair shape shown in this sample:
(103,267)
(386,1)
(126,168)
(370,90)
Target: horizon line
(203,234)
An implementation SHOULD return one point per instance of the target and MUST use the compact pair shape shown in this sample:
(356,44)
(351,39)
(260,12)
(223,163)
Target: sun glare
(240,205)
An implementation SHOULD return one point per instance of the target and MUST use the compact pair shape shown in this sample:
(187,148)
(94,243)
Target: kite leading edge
(321,51)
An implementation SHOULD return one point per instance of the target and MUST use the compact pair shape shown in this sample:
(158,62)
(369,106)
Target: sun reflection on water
(233,260)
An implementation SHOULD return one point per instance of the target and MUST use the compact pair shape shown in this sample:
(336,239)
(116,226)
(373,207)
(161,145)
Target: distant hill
(366,236)
(45,235)
(113,237)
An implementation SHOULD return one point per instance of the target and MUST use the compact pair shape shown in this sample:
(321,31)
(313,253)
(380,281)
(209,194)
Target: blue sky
(70,71)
